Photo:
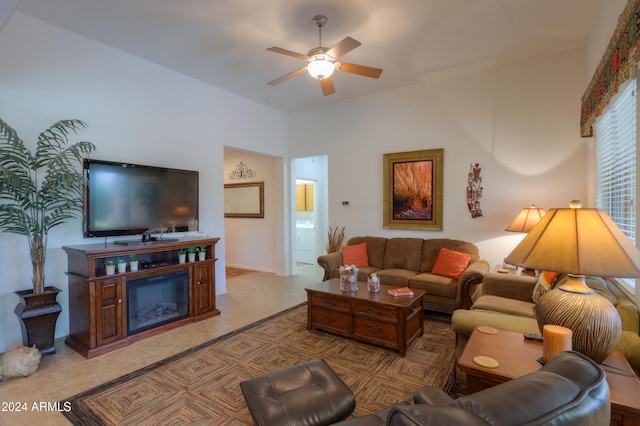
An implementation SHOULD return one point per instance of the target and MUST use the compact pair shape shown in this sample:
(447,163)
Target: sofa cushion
(600,286)
(629,345)
(395,277)
(436,285)
(504,305)
(451,263)
(431,249)
(355,255)
(545,282)
(376,247)
(463,322)
(403,253)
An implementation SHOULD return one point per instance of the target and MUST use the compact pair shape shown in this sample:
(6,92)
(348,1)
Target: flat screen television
(131,199)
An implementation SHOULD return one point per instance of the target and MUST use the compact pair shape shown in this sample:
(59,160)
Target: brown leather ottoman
(305,394)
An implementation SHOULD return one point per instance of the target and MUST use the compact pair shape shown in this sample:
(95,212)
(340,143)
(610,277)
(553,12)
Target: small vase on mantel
(38,314)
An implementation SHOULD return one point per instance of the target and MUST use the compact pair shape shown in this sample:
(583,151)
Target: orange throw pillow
(451,263)
(355,255)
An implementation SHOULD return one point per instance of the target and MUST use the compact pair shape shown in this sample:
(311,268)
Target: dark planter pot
(38,315)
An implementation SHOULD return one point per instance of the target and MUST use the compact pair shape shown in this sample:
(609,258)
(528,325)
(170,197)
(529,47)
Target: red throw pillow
(451,263)
(355,255)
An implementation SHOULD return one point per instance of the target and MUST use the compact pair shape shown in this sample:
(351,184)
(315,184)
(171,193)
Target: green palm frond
(52,145)
(42,190)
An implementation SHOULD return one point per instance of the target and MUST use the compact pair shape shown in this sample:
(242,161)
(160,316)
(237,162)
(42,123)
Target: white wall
(137,112)
(519,121)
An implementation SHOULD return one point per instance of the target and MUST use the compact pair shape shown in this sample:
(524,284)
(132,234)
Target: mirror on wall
(244,200)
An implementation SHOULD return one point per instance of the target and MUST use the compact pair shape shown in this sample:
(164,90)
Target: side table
(499,269)
(518,357)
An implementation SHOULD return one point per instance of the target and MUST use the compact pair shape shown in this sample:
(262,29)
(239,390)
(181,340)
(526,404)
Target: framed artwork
(244,200)
(412,196)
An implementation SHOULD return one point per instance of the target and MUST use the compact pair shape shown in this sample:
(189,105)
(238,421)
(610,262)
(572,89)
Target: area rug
(201,385)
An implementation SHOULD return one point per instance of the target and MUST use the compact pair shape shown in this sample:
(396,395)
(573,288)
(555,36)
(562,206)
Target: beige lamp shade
(580,242)
(526,219)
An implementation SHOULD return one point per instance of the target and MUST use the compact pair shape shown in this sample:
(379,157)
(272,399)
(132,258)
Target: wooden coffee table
(518,357)
(377,318)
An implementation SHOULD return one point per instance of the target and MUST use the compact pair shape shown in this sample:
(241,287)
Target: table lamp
(526,219)
(579,242)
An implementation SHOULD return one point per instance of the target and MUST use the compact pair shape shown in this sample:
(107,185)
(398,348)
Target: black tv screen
(130,199)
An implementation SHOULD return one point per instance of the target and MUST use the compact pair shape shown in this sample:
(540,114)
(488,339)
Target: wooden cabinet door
(301,197)
(310,194)
(109,309)
(204,288)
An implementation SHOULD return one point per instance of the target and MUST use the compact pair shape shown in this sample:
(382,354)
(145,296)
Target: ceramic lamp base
(594,321)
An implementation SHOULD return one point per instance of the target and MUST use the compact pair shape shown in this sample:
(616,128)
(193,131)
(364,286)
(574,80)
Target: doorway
(306,220)
(311,212)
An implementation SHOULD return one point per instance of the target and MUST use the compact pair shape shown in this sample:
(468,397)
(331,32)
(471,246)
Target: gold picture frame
(244,200)
(412,196)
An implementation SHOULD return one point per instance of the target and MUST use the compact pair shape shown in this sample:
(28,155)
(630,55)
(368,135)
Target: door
(204,288)
(109,319)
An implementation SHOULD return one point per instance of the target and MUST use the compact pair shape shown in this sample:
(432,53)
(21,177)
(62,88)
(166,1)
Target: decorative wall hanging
(242,172)
(474,190)
(412,197)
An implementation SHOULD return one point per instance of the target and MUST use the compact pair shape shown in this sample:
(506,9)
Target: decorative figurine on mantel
(474,190)
(19,362)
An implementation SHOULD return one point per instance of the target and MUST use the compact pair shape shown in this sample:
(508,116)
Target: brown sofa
(505,302)
(408,262)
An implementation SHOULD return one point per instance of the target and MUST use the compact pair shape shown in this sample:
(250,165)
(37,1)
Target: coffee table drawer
(330,301)
(330,318)
(372,329)
(367,308)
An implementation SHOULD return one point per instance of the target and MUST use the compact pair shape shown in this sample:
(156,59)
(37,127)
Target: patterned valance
(621,56)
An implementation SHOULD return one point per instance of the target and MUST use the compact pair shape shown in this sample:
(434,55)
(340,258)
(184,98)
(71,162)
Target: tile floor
(249,298)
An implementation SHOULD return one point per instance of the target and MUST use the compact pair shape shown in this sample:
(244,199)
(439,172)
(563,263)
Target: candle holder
(349,278)
(373,283)
(556,339)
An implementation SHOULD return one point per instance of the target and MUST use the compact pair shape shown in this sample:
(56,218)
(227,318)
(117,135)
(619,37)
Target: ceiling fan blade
(287,76)
(327,86)
(344,47)
(358,69)
(288,53)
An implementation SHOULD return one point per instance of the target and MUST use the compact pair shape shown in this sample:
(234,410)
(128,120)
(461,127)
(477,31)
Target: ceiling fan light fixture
(321,67)
(321,61)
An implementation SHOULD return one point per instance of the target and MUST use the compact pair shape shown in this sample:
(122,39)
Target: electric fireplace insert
(157,300)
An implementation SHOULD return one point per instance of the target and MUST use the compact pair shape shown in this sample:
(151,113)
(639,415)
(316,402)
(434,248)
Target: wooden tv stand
(98,302)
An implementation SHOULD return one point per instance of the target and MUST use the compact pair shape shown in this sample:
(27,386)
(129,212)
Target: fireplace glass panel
(157,300)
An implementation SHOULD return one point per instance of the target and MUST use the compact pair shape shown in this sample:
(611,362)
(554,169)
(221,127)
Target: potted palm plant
(39,191)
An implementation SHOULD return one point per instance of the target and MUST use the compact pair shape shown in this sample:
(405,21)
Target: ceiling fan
(322,62)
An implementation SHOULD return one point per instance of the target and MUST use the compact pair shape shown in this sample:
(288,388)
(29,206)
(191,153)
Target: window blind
(615,143)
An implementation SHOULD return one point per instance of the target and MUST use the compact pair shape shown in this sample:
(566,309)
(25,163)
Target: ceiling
(223,42)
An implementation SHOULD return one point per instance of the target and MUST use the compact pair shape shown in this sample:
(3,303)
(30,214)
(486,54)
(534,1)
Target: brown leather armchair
(570,390)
